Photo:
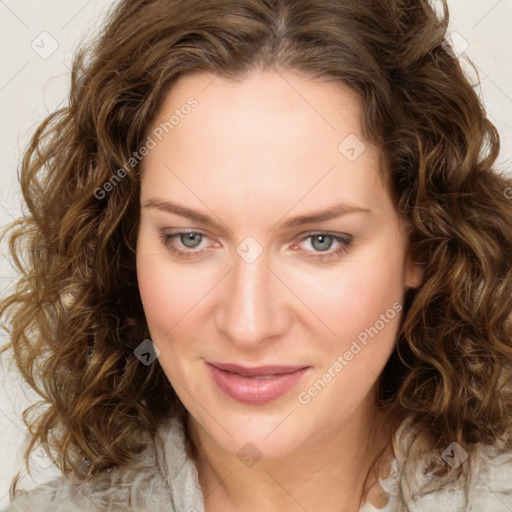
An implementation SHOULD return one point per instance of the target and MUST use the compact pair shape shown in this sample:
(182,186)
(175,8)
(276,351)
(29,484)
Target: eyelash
(344,241)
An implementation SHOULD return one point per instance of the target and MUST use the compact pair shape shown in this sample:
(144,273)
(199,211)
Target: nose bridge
(250,307)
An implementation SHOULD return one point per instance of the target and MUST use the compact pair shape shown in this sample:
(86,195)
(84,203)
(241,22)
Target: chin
(271,436)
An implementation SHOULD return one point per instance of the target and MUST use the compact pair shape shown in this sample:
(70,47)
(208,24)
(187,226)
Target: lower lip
(255,391)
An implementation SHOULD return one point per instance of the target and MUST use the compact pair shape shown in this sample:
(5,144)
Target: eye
(323,242)
(189,240)
(187,244)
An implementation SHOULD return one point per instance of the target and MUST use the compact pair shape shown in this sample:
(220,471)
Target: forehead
(256,107)
(270,137)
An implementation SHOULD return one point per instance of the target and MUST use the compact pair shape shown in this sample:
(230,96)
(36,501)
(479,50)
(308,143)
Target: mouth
(255,385)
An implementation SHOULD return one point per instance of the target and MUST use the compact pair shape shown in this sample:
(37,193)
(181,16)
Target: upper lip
(255,371)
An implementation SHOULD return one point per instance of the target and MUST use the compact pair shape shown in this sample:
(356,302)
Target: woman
(268,267)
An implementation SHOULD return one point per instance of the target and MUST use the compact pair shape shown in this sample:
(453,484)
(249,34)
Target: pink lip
(257,385)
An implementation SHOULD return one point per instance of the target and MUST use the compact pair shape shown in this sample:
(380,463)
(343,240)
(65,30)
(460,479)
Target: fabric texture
(412,484)
(164,479)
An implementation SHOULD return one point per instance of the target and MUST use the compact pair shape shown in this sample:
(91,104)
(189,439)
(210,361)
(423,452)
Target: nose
(252,310)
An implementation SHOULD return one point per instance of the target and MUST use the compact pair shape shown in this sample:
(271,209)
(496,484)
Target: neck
(315,476)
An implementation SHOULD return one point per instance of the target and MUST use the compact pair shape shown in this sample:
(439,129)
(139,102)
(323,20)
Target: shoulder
(153,483)
(138,487)
(413,484)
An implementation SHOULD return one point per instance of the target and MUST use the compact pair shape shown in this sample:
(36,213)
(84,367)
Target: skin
(253,154)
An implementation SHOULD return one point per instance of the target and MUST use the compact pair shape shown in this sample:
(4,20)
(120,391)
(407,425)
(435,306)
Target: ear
(413,273)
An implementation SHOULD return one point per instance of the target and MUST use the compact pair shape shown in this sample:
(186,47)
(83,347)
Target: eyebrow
(333,212)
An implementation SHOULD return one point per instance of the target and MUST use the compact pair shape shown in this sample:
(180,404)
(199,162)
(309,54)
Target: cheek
(165,293)
(362,305)
(168,296)
(156,291)
(353,297)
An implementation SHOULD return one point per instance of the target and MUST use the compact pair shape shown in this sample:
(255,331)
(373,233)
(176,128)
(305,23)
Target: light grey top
(167,481)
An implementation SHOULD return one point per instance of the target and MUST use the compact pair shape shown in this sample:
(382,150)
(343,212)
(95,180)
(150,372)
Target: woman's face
(271,261)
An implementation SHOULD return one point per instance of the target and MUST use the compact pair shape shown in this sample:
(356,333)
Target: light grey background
(34,81)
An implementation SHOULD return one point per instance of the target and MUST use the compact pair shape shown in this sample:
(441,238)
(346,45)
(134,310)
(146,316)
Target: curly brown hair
(76,316)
